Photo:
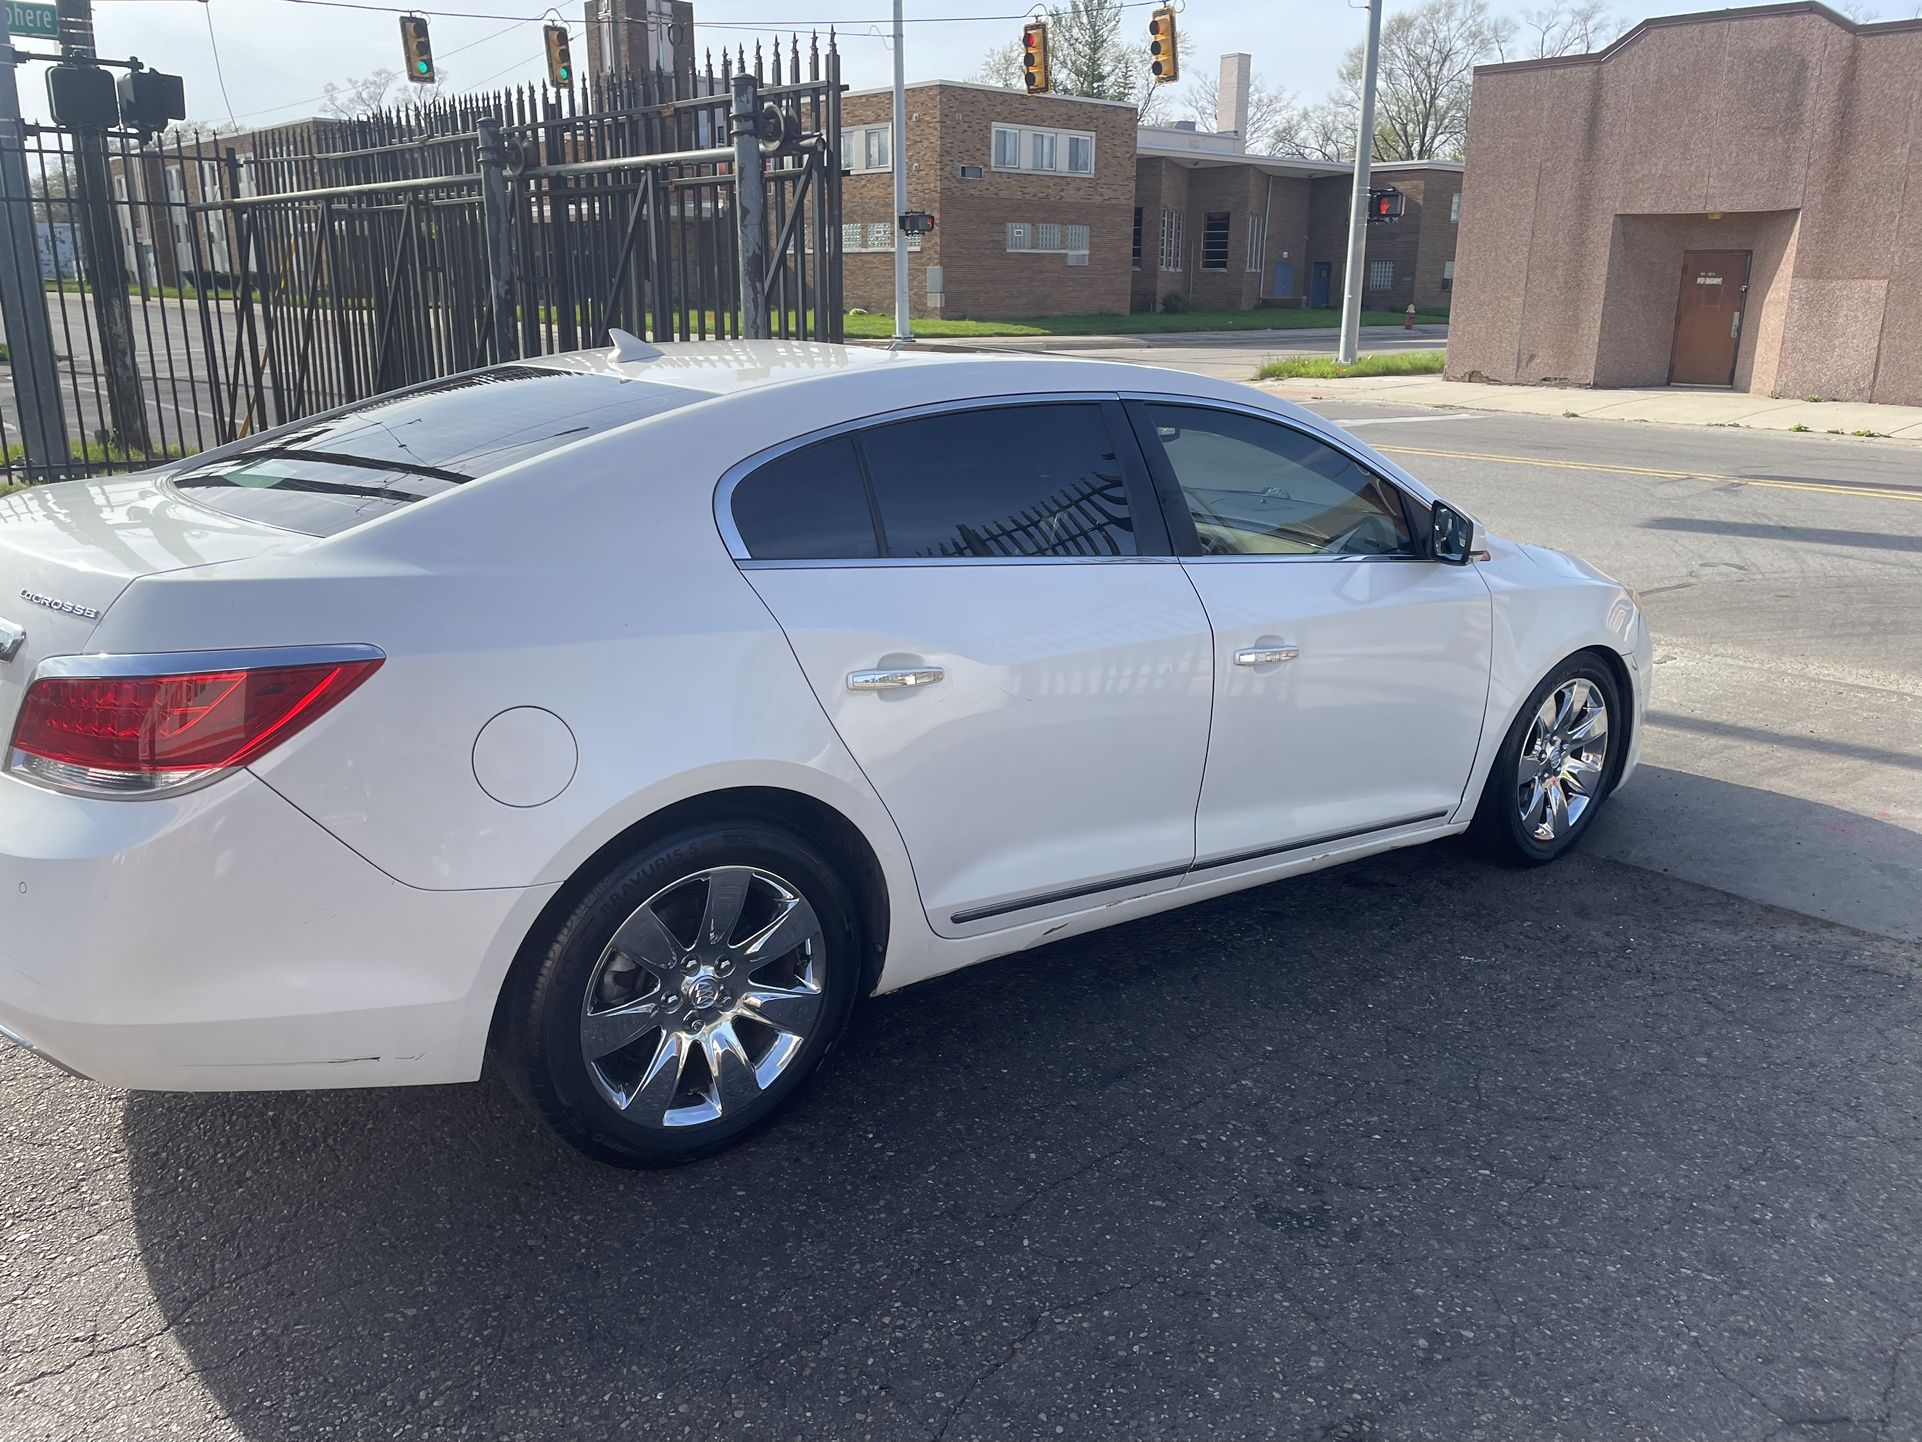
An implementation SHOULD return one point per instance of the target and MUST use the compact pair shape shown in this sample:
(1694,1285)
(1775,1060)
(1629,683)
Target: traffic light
(417,54)
(1165,62)
(560,58)
(1384,205)
(1034,56)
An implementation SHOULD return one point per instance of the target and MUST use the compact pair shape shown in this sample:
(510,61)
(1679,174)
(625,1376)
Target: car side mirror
(1453,537)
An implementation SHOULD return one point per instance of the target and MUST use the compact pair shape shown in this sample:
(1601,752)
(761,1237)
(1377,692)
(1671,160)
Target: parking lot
(1627,1147)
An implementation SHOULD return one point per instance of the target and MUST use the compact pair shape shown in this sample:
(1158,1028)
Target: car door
(984,602)
(1351,673)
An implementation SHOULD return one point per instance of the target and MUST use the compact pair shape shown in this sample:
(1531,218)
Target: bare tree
(1323,131)
(1266,108)
(1562,27)
(1002,66)
(1087,55)
(375,91)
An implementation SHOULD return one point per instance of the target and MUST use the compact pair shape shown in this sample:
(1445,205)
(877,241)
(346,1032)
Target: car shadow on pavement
(1413,1148)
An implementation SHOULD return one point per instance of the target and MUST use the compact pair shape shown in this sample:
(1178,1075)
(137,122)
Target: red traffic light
(1034,56)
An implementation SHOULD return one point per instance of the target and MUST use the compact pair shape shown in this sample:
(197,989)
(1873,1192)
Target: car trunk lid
(68,551)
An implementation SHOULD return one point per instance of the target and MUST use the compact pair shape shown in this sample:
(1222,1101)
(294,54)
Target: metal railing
(207,286)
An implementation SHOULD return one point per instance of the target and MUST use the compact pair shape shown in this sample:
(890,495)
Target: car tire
(1556,766)
(686,997)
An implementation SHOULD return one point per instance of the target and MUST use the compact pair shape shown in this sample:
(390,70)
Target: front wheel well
(1617,668)
(839,839)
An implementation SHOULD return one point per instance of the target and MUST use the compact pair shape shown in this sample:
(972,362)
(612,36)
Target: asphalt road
(1630,1147)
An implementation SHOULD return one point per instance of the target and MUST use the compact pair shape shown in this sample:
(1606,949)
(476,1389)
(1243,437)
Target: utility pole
(103,270)
(903,332)
(23,299)
(1351,292)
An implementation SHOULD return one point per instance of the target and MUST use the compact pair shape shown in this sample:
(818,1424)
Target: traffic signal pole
(1351,292)
(903,331)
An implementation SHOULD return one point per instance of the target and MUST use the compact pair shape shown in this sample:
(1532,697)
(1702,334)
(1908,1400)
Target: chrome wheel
(1563,758)
(705,995)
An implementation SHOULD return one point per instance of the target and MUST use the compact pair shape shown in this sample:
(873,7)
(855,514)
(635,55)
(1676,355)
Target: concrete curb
(1663,406)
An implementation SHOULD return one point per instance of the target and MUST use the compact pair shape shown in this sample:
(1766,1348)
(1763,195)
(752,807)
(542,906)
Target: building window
(867,148)
(1214,241)
(1171,240)
(1137,239)
(874,235)
(1047,152)
(1381,275)
(1019,236)
(1257,240)
(1047,237)
(1448,275)
(1455,207)
(1077,245)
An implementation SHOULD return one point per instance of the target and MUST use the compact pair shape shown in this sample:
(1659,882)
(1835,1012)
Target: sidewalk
(1662,404)
(1279,340)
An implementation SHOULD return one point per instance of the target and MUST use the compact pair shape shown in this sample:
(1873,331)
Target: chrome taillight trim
(169,663)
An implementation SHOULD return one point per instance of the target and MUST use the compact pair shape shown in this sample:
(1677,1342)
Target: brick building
(1232,231)
(1032,196)
(1056,205)
(1728,198)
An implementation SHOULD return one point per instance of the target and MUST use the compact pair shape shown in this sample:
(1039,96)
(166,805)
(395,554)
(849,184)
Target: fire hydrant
(1408,320)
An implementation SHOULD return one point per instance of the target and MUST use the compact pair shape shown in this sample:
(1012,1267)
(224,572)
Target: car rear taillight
(135,726)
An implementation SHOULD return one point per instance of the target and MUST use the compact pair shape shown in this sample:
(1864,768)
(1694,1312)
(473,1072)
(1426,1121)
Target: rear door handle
(895,678)
(1264,655)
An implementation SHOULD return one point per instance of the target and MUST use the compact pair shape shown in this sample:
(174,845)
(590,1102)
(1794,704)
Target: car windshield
(343,470)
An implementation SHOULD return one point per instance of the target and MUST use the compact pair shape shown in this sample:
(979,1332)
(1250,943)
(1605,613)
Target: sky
(275,56)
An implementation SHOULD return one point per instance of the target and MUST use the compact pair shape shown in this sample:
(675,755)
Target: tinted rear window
(335,473)
(1031,480)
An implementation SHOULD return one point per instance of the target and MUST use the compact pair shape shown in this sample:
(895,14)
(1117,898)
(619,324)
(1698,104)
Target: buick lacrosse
(625,717)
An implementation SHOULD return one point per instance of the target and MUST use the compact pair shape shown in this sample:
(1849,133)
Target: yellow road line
(1873,492)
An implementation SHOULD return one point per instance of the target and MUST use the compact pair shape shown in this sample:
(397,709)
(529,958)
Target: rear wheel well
(839,839)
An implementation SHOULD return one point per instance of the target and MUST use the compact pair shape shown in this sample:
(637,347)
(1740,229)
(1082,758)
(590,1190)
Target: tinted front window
(1038,480)
(1259,488)
(333,473)
(808,505)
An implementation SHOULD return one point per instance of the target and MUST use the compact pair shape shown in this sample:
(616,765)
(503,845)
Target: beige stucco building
(1730,198)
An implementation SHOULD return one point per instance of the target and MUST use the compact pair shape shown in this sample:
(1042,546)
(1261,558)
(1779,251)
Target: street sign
(33,21)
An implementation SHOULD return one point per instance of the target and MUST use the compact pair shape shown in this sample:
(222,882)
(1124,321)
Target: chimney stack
(1231,99)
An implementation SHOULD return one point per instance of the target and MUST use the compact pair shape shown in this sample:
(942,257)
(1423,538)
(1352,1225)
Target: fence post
(497,225)
(23,296)
(106,275)
(750,204)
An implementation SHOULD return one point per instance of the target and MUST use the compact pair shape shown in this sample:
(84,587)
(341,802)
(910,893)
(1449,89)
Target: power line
(219,72)
(820,22)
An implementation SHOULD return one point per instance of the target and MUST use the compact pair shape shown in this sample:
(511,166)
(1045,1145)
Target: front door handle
(895,678)
(1264,655)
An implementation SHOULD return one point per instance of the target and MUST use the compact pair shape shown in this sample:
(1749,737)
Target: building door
(1320,278)
(1708,317)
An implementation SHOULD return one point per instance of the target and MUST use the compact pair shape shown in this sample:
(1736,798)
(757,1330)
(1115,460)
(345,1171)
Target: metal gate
(216,285)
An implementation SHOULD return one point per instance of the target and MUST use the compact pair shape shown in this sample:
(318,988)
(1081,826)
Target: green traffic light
(421,66)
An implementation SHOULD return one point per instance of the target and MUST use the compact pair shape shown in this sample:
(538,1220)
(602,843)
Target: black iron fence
(208,286)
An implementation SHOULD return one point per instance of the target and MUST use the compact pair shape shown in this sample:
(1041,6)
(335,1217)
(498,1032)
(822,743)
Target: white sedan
(627,716)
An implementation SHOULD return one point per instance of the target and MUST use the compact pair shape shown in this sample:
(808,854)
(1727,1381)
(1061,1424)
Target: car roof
(730,367)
